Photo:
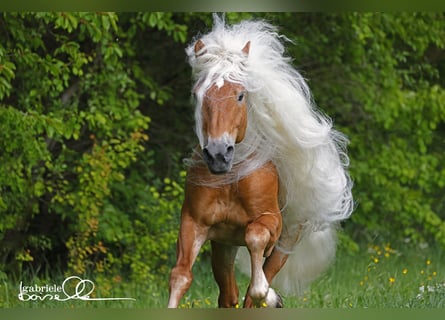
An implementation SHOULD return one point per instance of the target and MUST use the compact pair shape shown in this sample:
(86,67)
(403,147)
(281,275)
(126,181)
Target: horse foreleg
(271,267)
(274,263)
(190,240)
(223,265)
(261,236)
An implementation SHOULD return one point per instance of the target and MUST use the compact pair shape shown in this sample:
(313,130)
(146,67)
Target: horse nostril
(229,153)
(218,156)
(206,155)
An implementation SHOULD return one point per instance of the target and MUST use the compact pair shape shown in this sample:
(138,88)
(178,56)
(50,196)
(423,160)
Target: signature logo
(83,288)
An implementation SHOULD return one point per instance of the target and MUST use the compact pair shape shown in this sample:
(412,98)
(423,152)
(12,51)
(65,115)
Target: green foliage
(398,143)
(142,229)
(71,126)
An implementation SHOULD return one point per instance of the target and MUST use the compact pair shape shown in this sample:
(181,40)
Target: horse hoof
(273,299)
(279,303)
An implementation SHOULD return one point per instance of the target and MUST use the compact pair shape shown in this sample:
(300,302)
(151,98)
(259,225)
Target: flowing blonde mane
(283,126)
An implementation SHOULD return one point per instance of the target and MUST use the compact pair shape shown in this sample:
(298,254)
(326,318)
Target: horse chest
(226,208)
(222,211)
(225,212)
(228,222)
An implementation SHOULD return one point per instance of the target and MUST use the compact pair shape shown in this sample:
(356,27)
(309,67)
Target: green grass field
(379,276)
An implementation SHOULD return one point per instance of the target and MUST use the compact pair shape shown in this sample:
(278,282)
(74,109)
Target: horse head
(223,119)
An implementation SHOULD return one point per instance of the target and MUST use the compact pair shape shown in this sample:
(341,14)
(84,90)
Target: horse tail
(310,257)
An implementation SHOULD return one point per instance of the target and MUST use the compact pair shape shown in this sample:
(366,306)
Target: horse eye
(241,97)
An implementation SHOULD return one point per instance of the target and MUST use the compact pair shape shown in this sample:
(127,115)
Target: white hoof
(273,300)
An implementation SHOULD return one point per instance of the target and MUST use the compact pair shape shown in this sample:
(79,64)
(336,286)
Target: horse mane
(284,125)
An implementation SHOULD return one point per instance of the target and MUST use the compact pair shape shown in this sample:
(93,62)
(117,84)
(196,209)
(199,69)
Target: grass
(379,276)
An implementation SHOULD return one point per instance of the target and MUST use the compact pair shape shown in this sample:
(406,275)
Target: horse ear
(199,45)
(246,48)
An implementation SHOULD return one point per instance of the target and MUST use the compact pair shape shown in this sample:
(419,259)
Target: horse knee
(257,236)
(180,278)
(263,233)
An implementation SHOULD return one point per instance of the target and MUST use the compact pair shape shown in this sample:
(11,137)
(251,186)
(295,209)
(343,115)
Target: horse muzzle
(219,156)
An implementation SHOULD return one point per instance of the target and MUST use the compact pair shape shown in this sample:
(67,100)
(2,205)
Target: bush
(71,127)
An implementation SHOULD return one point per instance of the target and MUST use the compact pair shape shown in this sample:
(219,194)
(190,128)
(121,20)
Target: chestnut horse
(269,173)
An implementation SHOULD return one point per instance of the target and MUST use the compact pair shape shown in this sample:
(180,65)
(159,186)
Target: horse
(269,173)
